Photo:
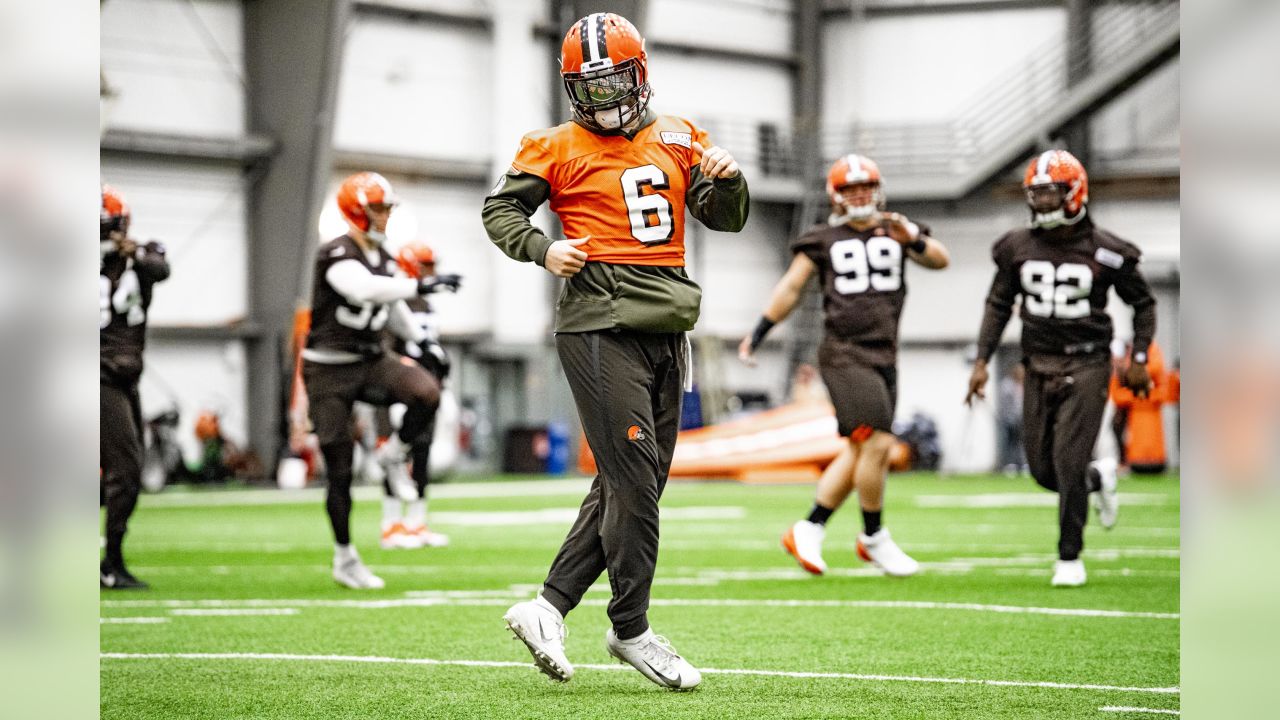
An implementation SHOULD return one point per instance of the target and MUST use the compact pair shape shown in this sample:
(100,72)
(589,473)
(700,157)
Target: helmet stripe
(592,37)
(856,172)
(1042,167)
(583,36)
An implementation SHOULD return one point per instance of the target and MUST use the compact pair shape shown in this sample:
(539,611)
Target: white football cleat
(1068,573)
(804,541)
(397,537)
(880,550)
(353,573)
(394,460)
(654,657)
(541,627)
(1107,500)
(424,537)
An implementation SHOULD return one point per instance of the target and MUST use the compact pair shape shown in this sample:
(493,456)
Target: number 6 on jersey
(650,213)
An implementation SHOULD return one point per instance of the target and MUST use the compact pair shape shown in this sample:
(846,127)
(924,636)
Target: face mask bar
(616,89)
(115,224)
(1046,198)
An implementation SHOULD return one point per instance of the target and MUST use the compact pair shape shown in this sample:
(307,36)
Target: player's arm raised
(921,248)
(785,297)
(717,194)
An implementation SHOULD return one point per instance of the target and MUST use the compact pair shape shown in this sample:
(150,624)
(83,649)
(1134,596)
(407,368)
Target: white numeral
(875,264)
(1056,292)
(128,304)
(650,214)
(366,318)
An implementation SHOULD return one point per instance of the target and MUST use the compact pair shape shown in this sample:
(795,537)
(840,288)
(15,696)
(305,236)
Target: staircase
(1019,111)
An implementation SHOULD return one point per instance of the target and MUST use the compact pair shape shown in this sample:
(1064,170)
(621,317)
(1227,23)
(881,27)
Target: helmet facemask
(609,101)
(1049,203)
(856,202)
(375,234)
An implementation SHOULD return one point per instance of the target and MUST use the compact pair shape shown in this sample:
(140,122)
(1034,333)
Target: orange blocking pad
(791,443)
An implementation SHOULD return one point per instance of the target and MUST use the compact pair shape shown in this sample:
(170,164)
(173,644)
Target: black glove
(437,283)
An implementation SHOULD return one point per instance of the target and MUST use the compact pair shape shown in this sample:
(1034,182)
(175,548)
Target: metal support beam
(1079,66)
(291,72)
(247,150)
(835,9)
(415,168)
(407,10)
(806,101)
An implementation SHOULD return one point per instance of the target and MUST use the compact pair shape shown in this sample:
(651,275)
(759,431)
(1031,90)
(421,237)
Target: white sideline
(132,620)
(674,602)
(1152,711)
(710,671)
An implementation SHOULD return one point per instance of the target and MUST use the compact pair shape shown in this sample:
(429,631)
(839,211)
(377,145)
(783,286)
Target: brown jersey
(1063,276)
(863,279)
(124,298)
(336,322)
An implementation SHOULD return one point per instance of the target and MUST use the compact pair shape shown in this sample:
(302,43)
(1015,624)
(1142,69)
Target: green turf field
(244,620)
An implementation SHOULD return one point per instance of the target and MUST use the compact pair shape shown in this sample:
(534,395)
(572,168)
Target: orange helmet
(114,215)
(207,426)
(1057,189)
(417,259)
(604,68)
(851,170)
(360,191)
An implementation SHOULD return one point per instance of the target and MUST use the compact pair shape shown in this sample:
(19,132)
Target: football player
(406,527)
(354,296)
(860,258)
(129,271)
(1062,267)
(620,176)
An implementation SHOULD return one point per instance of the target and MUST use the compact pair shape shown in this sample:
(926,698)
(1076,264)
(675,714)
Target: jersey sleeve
(1132,287)
(718,203)
(1000,299)
(811,245)
(535,158)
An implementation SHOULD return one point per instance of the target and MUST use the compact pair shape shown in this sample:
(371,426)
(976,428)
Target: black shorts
(864,396)
(331,389)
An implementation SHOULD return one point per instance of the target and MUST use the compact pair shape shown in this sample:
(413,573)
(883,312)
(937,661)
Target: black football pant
(1062,416)
(419,451)
(120,454)
(628,389)
(331,390)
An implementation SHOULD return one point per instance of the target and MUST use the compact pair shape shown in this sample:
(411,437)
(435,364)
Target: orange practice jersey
(627,196)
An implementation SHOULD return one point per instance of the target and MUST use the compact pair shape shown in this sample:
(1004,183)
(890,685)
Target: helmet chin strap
(377,237)
(1057,218)
(852,213)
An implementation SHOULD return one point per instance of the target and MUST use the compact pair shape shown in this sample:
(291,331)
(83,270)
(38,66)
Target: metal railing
(1004,109)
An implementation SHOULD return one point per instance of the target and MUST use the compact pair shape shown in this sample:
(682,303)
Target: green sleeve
(720,203)
(506,215)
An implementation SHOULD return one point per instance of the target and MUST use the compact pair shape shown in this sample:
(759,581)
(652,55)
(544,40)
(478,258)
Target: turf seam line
(706,671)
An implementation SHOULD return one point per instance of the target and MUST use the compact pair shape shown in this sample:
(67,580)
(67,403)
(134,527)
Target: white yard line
(1024,500)
(132,620)
(1150,711)
(566,516)
(231,612)
(706,671)
(670,602)
(268,496)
